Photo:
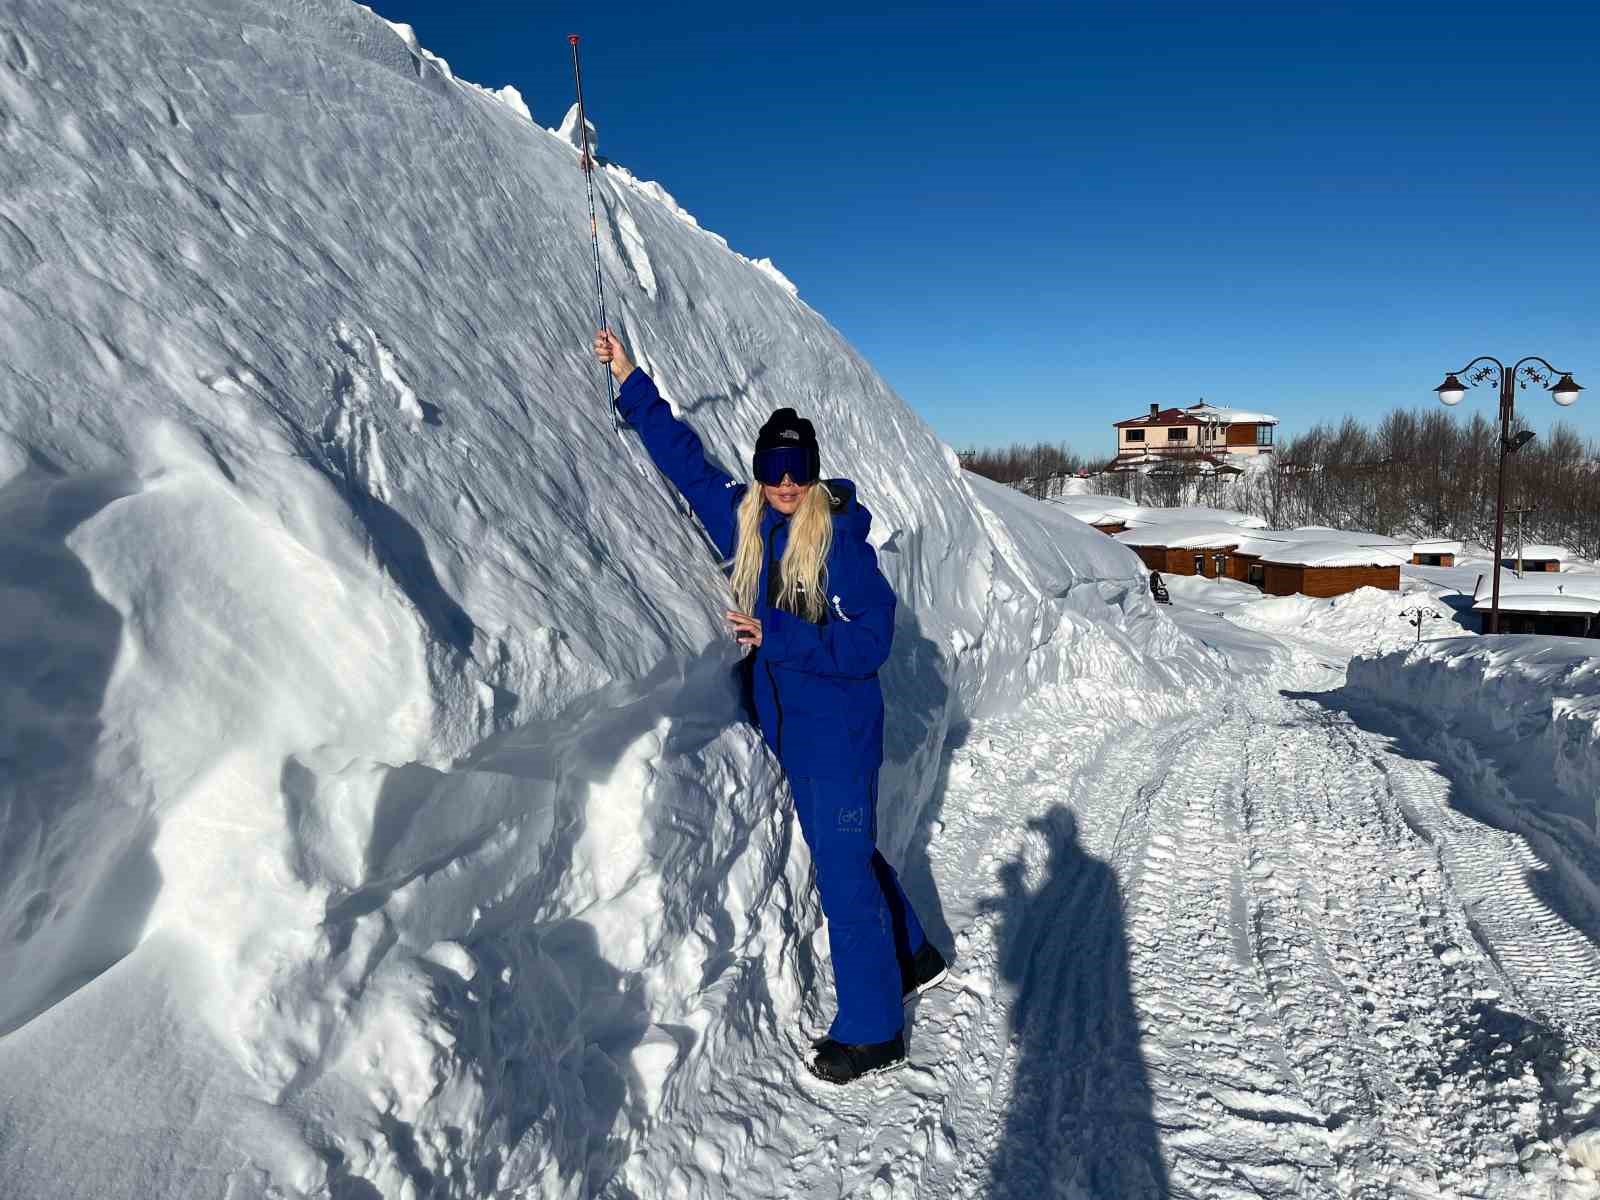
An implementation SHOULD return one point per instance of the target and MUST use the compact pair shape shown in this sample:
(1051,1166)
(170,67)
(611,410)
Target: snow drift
(375,807)
(1529,705)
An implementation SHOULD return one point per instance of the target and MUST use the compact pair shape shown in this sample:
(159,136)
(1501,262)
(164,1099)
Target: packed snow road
(1262,950)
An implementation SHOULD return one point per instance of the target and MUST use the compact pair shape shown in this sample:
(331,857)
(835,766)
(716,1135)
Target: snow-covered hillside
(376,817)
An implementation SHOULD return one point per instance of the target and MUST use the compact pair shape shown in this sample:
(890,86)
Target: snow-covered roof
(1264,541)
(1184,535)
(1540,602)
(1567,583)
(1436,546)
(1170,516)
(1353,537)
(1289,546)
(1230,416)
(1097,510)
(1539,550)
(1329,553)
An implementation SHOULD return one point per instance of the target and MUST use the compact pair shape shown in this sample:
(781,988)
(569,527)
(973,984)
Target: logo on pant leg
(853,820)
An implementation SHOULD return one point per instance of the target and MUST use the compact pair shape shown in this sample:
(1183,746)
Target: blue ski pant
(872,928)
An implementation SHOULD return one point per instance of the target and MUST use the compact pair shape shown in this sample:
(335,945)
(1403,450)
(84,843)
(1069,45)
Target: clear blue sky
(1037,220)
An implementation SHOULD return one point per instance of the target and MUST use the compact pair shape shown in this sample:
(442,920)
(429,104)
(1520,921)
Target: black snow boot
(845,1062)
(926,969)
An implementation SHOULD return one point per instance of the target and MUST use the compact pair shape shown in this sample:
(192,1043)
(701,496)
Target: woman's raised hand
(608,348)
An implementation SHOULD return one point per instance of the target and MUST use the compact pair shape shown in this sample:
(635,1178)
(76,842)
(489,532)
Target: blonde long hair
(803,571)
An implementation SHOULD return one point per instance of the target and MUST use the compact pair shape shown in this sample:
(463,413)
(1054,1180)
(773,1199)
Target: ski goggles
(799,463)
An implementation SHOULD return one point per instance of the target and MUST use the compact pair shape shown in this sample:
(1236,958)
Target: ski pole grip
(573,38)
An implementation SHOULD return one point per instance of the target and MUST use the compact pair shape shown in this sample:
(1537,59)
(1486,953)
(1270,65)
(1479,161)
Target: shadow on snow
(1082,1121)
(77,876)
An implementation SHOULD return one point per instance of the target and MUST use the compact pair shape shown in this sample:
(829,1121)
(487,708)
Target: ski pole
(587,163)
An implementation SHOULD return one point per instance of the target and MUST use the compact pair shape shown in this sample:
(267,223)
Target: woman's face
(785,496)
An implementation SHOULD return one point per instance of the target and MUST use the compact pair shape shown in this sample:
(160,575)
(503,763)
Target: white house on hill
(1202,434)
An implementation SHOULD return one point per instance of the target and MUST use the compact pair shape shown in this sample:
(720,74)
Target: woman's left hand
(746,629)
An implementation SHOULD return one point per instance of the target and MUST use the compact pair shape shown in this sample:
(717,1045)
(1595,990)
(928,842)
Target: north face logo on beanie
(786,427)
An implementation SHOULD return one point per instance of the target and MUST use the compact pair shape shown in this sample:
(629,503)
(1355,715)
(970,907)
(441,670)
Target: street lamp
(1528,370)
(1415,616)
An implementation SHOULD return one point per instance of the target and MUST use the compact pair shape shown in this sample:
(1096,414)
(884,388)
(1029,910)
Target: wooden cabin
(1552,614)
(1535,557)
(1435,553)
(1328,568)
(1201,548)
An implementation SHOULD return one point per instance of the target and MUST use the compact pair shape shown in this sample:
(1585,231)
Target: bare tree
(1430,475)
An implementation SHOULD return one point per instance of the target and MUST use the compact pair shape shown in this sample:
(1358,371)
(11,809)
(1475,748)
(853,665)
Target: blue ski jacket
(815,686)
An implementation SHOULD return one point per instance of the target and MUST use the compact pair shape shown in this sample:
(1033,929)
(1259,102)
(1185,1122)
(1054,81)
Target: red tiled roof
(1167,416)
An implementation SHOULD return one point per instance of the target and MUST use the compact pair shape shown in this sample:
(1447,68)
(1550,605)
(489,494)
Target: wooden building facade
(1208,562)
(1287,579)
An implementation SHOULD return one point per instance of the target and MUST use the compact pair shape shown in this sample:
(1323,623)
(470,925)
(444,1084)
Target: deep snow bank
(1529,704)
(1368,620)
(376,811)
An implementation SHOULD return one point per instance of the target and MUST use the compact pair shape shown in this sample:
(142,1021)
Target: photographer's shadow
(1082,1113)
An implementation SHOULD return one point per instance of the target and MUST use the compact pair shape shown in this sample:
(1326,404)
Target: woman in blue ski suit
(819,616)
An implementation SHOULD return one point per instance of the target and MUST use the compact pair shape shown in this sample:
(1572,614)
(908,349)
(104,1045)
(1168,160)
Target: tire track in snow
(1538,1010)
(1226,956)
(1390,1011)
(1493,855)
(1317,1019)
(1342,897)
(1134,1058)
(1232,1120)
(1048,1056)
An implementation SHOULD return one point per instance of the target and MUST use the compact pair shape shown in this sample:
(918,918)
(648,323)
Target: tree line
(1413,475)
(1039,464)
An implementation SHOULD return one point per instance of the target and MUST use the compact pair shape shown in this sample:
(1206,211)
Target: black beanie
(788,428)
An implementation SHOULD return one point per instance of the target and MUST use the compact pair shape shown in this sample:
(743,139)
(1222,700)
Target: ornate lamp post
(1415,616)
(1527,370)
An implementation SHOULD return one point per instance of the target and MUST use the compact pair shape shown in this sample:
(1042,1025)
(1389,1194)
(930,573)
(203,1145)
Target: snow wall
(1529,706)
(376,817)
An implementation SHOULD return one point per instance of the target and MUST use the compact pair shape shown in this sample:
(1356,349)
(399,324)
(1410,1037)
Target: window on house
(1220,564)
(1178,435)
(1257,574)
(1264,434)
(1199,564)
(1133,435)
